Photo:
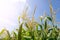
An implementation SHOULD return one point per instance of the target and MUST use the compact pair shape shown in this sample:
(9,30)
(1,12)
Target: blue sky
(43,6)
(11,9)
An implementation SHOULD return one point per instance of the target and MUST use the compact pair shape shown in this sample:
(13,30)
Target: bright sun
(9,10)
(22,0)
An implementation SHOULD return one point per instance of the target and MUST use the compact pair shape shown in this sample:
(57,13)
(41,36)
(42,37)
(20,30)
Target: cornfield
(30,29)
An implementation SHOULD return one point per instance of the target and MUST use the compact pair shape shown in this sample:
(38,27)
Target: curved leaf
(49,18)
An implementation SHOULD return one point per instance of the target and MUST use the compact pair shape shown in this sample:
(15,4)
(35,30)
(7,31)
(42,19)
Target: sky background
(11,9)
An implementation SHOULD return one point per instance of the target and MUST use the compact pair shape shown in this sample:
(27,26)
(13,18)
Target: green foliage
(20,32)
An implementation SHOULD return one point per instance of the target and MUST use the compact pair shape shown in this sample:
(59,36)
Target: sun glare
(9,10)
(22,0)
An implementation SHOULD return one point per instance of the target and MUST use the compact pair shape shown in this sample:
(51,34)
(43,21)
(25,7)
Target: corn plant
(30,29)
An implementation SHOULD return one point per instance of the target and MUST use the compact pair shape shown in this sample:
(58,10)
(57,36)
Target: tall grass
(30,29)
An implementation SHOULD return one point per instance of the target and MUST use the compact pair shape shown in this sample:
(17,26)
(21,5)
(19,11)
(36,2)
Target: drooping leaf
(49,18)
(38,25)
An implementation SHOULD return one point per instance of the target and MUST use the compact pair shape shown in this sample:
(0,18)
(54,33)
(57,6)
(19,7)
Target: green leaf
(20,32)
(15,35)
(27,37)
(26,25)
(49,18)
(2,31)
(40,26)
(45,24)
